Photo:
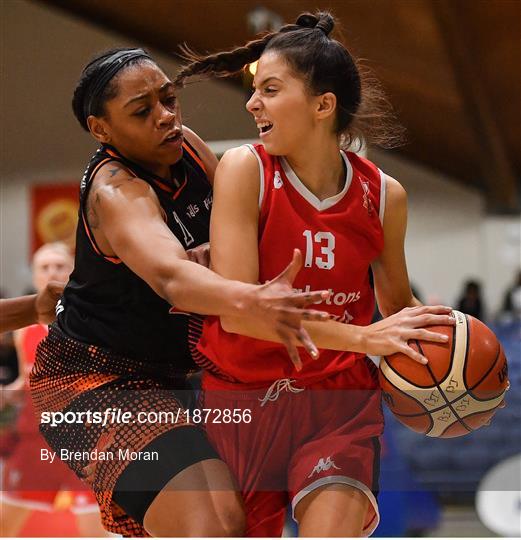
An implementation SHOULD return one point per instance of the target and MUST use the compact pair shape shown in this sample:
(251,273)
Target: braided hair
(325,64)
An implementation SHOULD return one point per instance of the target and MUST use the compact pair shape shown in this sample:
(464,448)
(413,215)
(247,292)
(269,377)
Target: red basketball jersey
(31,336)
(339,238)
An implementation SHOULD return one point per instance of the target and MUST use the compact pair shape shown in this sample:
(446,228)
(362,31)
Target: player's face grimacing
(281,105)
(143,121)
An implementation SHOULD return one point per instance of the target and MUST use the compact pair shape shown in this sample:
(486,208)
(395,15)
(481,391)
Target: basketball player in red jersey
(28,482)
(314,435)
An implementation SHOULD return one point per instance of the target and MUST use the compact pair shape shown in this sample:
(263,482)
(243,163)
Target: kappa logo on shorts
(277,180)
(323,465)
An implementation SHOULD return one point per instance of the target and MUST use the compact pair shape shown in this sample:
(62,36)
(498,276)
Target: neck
(319,166)
(162,171)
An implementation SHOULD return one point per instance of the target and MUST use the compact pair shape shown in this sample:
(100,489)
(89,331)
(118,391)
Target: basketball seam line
(468,392)
(413,383)
(449,369)
(442,406)
(442,393)
(487,373)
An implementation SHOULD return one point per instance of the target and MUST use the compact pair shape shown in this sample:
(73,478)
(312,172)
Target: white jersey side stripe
(261,172)
(383,184)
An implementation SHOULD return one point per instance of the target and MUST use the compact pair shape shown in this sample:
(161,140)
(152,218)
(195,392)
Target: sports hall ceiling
(450,67)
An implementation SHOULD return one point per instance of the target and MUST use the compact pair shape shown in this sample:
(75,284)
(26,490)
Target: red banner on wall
(54,214)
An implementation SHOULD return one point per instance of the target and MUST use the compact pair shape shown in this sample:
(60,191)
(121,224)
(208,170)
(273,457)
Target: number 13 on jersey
(325,242)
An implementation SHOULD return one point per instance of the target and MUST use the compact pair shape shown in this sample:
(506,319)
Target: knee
(235,523)
(228,521)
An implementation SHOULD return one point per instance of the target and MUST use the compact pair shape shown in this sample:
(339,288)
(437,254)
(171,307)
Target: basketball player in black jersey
(145,200)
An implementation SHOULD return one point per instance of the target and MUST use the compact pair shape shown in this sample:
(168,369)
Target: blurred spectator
(512,299)
(29,482)
(470,301)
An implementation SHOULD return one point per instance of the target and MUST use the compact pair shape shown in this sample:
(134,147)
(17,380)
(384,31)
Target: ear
(99,129)
(326,105)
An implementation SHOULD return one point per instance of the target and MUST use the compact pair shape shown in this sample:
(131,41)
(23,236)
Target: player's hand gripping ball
(458,391)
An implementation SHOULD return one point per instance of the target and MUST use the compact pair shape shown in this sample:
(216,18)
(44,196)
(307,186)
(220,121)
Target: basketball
(460,388)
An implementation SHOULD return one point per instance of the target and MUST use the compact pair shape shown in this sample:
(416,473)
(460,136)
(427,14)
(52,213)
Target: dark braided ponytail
(325,65)
(226,63)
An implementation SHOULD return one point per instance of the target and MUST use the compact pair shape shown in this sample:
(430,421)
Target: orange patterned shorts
(72,377)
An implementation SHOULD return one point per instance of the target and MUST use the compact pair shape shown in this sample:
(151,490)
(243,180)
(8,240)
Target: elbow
(386,311)
(169,285)
(390,308)
(173,291)
(229,324)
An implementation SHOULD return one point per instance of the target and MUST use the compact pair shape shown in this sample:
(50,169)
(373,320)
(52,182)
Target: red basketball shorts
(30,482)
(298,440)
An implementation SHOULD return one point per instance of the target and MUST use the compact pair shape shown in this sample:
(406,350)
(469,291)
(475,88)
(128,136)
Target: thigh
(120,458)
(199,501)
(337,444)
(187,475)
(334,510)
(257,452)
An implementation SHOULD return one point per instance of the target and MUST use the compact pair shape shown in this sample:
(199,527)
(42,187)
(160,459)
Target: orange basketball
(460,388)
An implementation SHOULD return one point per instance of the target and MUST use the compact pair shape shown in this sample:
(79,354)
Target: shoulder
(238,167)
(114,181)
(207,156)
(240,157)
(395,192)
(237,176)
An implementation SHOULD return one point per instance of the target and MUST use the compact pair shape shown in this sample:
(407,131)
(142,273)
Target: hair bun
(307,20)
(326,23)
(321,21)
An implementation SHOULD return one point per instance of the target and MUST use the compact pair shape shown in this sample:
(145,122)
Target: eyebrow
(268,79)
(166,86)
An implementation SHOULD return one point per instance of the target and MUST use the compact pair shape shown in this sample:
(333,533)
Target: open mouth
(172,138)
(264,127)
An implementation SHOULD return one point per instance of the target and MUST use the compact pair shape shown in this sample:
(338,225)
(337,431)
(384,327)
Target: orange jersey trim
(115,260)
(194,156)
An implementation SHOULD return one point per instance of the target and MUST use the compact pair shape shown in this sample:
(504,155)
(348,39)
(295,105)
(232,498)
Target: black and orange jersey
(105,303)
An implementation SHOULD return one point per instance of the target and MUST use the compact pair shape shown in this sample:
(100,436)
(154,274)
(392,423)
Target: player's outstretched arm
(234,254)
(23,311)
(17,312)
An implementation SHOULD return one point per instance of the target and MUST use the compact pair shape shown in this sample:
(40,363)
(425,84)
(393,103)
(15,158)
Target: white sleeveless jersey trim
(261,172)
(310,197)
(383,184)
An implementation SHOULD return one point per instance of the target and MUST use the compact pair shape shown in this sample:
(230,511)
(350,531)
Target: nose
(253,105)
(165,116)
